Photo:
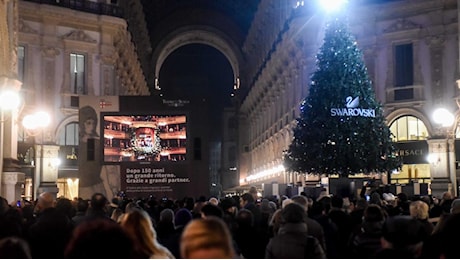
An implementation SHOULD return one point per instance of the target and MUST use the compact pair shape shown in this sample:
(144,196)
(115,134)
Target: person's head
(403,233)
(253,192)
(88,122)
(211,210)
(206,238)
(82,205)
(14,248)
(455,206)
(214,201)
(374,213)
(98,201)
(246,198)
(139,227)
(182,217)
(449,238)
(64,205)
(167,216)
(98,239)
(228,205)
(245,218)
(45,200)
(419,209)
(293,213)
(301,200)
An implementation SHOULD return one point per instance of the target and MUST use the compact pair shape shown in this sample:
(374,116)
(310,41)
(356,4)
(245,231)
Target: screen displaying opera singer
(153,138)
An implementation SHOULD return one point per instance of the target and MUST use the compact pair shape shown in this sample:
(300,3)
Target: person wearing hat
(402,237)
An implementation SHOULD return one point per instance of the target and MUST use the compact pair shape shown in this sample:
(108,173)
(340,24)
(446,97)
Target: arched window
(69,134)
(408,128)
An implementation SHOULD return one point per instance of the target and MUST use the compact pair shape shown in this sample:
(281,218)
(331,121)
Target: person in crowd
(165,226)
(292,240)
(402,237)
(250,242)
(81,208)
(274,224)
(343,222)
(10,220)
(432,246)
(228,206)
(214,201)
(64,205)
(266,212)
(318,212)
(52,230)
(211,210)
(418,209)
(365,242)
(247,202)
(207,238)
(14,248)
(139,227)
(116,215)
(181,218)
(358,212)
(253,192)
(97,208)
(314,228)
(100,238)
(449,238)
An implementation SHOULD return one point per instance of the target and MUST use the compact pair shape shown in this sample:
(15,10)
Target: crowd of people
(246,226)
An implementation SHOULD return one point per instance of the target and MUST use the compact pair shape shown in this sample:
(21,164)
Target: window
(21,63)
(404,65)
(404,71)
(77,73)
(69,134)
(408,128)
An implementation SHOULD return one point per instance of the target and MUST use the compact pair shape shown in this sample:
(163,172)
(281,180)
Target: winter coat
(293,241)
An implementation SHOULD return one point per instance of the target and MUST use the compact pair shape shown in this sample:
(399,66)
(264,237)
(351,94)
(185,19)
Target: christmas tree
(341,128)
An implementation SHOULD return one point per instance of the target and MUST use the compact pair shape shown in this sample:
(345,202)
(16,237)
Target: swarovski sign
(352,109)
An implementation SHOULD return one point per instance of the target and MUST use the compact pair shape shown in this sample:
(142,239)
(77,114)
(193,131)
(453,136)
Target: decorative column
(11,185)
(440,160)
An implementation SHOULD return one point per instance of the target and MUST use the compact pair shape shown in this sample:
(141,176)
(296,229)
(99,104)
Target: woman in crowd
(207,238)
(138,225)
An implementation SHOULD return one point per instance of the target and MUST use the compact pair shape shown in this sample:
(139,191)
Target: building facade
(411,51)
(64,51)
(54,52)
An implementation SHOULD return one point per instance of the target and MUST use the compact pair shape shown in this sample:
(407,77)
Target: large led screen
(137,138)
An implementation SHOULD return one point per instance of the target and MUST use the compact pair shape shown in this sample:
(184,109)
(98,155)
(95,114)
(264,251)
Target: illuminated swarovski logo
(352,109)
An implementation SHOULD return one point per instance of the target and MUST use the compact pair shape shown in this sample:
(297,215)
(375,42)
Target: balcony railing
(84,6)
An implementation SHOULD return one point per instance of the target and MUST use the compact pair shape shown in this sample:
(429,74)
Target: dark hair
(87,113)
(374,213)
(247,197)
(403,231)
(245,218)
(293,213)
(14,248)
(82,205)
(212,210)
(98,201)
(99,239)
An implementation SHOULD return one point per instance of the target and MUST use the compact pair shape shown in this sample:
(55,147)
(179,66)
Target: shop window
(408,128)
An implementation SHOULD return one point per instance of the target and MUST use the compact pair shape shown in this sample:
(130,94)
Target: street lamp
(9,100)
(34,124)
(445,119)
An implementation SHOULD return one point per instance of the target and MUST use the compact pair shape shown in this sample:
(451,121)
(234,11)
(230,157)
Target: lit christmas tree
(341,128)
